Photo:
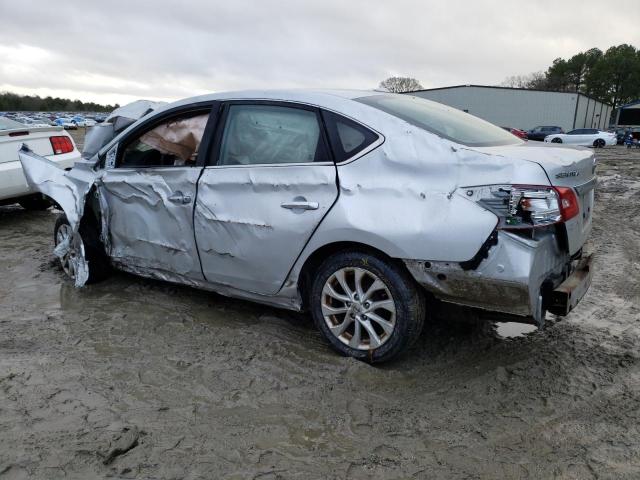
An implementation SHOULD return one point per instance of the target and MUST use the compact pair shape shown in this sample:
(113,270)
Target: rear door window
(266,134)
(347,138)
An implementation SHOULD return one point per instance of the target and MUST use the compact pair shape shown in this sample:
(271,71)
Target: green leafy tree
(579,66)
(612,77)
(557,76)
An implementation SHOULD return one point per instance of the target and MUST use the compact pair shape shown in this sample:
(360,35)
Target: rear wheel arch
(313,262)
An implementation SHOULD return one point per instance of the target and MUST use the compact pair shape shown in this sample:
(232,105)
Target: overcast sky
(118,51)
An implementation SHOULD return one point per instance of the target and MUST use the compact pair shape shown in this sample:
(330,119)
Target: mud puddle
(514,330)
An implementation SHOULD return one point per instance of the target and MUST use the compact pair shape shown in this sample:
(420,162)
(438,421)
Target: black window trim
(214,155)
(154,120)
(360,153)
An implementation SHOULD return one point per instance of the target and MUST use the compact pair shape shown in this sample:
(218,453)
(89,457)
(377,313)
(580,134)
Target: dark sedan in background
(540,132)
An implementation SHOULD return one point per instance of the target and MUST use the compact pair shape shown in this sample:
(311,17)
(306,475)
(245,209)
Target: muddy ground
(134,378)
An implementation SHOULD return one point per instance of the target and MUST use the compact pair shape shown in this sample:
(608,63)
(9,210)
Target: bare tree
(515,81)
(535,80)
(400,84)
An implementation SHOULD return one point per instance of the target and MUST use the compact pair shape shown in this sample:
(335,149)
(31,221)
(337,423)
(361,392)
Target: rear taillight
(568,202)
(528,206)
(61,144)
(533,206)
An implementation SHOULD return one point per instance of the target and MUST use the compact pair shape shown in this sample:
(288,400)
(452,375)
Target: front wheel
(367,307)
(556,140)
(84,254)
(599,143)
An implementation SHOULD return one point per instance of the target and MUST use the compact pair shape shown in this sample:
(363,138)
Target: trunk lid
(37,139)
(565,167)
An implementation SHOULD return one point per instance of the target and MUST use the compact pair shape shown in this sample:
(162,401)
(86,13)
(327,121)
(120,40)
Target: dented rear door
(270,183)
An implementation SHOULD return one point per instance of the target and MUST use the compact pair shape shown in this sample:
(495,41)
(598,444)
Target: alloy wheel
(76,249)
(358,308)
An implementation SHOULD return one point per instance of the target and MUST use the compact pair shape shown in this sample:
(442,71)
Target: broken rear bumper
(566,296)
(520,277)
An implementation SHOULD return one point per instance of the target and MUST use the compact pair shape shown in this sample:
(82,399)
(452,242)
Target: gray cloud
(121,50)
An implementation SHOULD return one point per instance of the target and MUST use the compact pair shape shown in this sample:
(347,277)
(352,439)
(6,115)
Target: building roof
(635,104)
(506,88)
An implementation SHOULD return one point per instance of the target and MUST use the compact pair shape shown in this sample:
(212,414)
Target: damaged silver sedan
(364,208)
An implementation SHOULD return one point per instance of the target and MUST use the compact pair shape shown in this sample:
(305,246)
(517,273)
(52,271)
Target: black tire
(599,143)
(35,203)
(408,297)
(99,266)
(556,140)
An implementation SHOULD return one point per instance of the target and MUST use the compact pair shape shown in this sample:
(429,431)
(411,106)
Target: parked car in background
(588,137)
(539,133)
(517,132)
(79,121)
(35,123)
(83,121)
(52,143)
(66,123)
(620,134)
(360,207)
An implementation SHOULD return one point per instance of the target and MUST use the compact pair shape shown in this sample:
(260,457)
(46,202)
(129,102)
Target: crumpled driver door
(149,192)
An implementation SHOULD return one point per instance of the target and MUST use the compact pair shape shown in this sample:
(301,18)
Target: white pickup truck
(51,142)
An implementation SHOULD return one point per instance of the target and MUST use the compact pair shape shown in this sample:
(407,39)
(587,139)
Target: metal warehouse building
(628,115)
(523,108)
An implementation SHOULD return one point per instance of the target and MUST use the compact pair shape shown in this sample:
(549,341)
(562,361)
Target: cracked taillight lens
(533,206)
(527,206)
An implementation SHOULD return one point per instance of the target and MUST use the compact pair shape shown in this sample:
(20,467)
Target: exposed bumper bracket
(564,298)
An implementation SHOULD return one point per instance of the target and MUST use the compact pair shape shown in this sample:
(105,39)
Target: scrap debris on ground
(133,378)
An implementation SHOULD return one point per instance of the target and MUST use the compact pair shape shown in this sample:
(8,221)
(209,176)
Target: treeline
(612,76)
(10,102)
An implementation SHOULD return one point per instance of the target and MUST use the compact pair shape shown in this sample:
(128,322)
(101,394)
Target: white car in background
(83,122)
(34,122)
(66,123)
(588,137)
(52,142)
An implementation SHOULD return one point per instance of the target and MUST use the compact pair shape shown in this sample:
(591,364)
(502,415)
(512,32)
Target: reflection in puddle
(512,329)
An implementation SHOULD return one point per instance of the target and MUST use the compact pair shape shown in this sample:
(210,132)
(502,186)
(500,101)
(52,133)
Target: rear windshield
(447,122)
(8,124)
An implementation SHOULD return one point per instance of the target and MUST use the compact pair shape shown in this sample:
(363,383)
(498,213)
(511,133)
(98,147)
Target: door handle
(300,205)
(179,197)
